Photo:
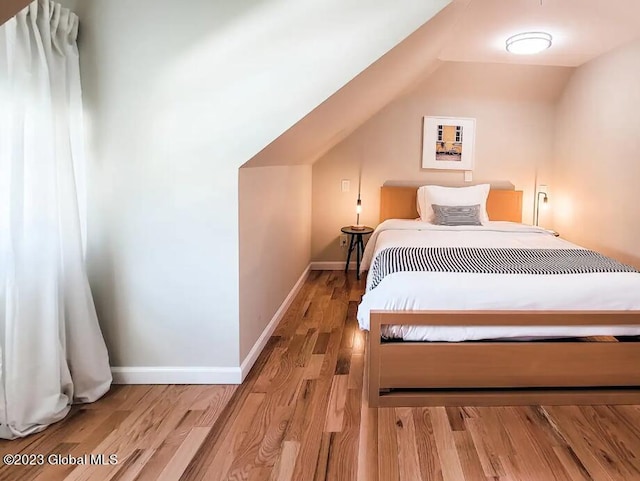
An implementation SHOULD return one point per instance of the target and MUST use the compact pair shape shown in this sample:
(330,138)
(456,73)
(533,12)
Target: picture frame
(448,143)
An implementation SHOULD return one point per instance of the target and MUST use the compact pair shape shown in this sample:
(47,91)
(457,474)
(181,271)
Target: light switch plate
(344,186)
(468,176)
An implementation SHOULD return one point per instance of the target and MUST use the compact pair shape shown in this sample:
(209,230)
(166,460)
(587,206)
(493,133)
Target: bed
(450,338)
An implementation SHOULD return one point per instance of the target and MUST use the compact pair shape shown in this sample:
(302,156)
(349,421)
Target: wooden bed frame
(492,372)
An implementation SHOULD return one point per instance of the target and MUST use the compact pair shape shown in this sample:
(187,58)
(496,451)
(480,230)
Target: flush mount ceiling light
(528,43)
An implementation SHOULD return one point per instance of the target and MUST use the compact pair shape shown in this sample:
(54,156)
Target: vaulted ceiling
(465,31)
(338,116)
(581,30)
(8,8)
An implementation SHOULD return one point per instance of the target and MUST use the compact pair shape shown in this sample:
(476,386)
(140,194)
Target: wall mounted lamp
(542,192)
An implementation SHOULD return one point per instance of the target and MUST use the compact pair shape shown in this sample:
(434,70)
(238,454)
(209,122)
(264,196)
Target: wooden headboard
(400,203)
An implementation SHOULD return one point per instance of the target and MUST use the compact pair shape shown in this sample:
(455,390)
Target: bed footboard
(502,373)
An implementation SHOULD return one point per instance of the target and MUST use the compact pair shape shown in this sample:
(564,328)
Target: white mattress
(466,291)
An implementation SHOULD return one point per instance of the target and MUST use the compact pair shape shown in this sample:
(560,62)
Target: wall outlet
(343,240)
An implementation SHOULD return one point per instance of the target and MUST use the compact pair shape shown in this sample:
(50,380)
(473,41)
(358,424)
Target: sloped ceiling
(245,83)
(465,31)
(8,8)
(581,30)
(339,115)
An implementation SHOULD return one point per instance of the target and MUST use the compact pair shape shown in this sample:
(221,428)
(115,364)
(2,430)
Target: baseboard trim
(208,375)
(176,375)
(257,348)
(331,266)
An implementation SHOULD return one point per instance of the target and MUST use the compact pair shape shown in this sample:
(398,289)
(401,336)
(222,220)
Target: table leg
(346,267)
(359,252)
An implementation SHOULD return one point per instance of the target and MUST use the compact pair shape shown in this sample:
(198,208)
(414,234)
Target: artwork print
(448,143)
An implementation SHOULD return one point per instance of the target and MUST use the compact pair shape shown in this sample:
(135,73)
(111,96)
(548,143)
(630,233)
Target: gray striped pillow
(456,214)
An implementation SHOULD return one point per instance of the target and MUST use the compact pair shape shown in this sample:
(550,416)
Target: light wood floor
(300,416)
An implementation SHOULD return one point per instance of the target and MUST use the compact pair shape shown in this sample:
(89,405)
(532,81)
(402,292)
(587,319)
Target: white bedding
(456,291)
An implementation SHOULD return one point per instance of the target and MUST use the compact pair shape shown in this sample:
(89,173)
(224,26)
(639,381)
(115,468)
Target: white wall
(275,242)
(338,116)
(597,156)
(177,97)
(514,108)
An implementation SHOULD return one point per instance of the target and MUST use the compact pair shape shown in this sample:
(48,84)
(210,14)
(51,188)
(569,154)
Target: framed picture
(448,143)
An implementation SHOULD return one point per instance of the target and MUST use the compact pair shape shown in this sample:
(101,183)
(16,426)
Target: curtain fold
(51,349)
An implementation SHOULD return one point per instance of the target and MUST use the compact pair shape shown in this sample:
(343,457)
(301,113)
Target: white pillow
(436,194)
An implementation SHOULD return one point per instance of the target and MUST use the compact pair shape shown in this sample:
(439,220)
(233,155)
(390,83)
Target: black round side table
(356,242)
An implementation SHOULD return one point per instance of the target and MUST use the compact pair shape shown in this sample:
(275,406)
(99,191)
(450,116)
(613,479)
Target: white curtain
(52,350)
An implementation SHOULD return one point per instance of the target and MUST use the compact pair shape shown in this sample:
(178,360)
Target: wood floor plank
(428,457)
(584,442)
(281,392)
(286,464)
(456,418)
(337,400)
(321,343)
(295,316)
(307,398)
(388,469)
(229,444)
(343,364)
(344,447)
(495,436)
(224,424)
(304,354)
(314,367)
(178,463)
(356,373)
(301,415)
(534,453)
(213,405)
(270,370)
(138,435)
(368,452)
(620,436)
(349,330)
(122,397)
(629,416)
(132,467)
(446,446)
(311,435)
(573,466)
(616,452)
(468,455)
(359,341)
(169,446)
(309,445)
(487,455)
(260,473)
(85,427)
(271,445)
(245,459)
(331,354)
(407,446)
(322,463)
